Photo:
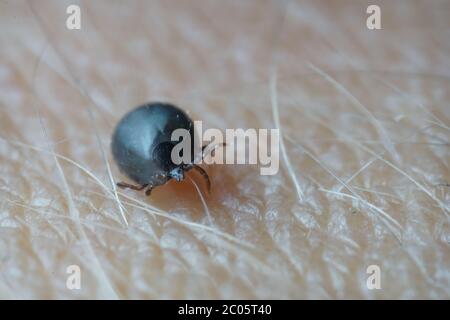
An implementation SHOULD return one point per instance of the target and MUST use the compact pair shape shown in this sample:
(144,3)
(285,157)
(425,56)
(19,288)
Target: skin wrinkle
(382,132)
(251,238)
(356,195)
(91,117)
(384,160)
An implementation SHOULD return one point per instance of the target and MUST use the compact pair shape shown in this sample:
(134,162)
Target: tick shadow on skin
(176,197)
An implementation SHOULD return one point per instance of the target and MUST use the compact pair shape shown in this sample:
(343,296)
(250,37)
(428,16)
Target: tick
(142,146)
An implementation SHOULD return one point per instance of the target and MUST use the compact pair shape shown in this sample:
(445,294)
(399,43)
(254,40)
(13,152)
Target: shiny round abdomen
(137,135)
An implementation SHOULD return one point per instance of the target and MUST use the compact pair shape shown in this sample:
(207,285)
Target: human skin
(363,180)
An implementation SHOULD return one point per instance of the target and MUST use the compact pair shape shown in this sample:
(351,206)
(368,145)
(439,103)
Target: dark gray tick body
(142,146)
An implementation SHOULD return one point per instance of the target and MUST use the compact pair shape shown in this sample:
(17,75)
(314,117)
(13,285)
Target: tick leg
(204,174)
(148,191)
(131,186)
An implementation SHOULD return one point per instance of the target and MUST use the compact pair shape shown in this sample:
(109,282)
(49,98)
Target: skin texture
(364,175)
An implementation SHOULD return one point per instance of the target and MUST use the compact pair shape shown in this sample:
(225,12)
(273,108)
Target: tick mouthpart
(177,174)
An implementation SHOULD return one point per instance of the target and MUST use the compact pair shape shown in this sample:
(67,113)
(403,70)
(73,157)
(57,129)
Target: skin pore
(364,168)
